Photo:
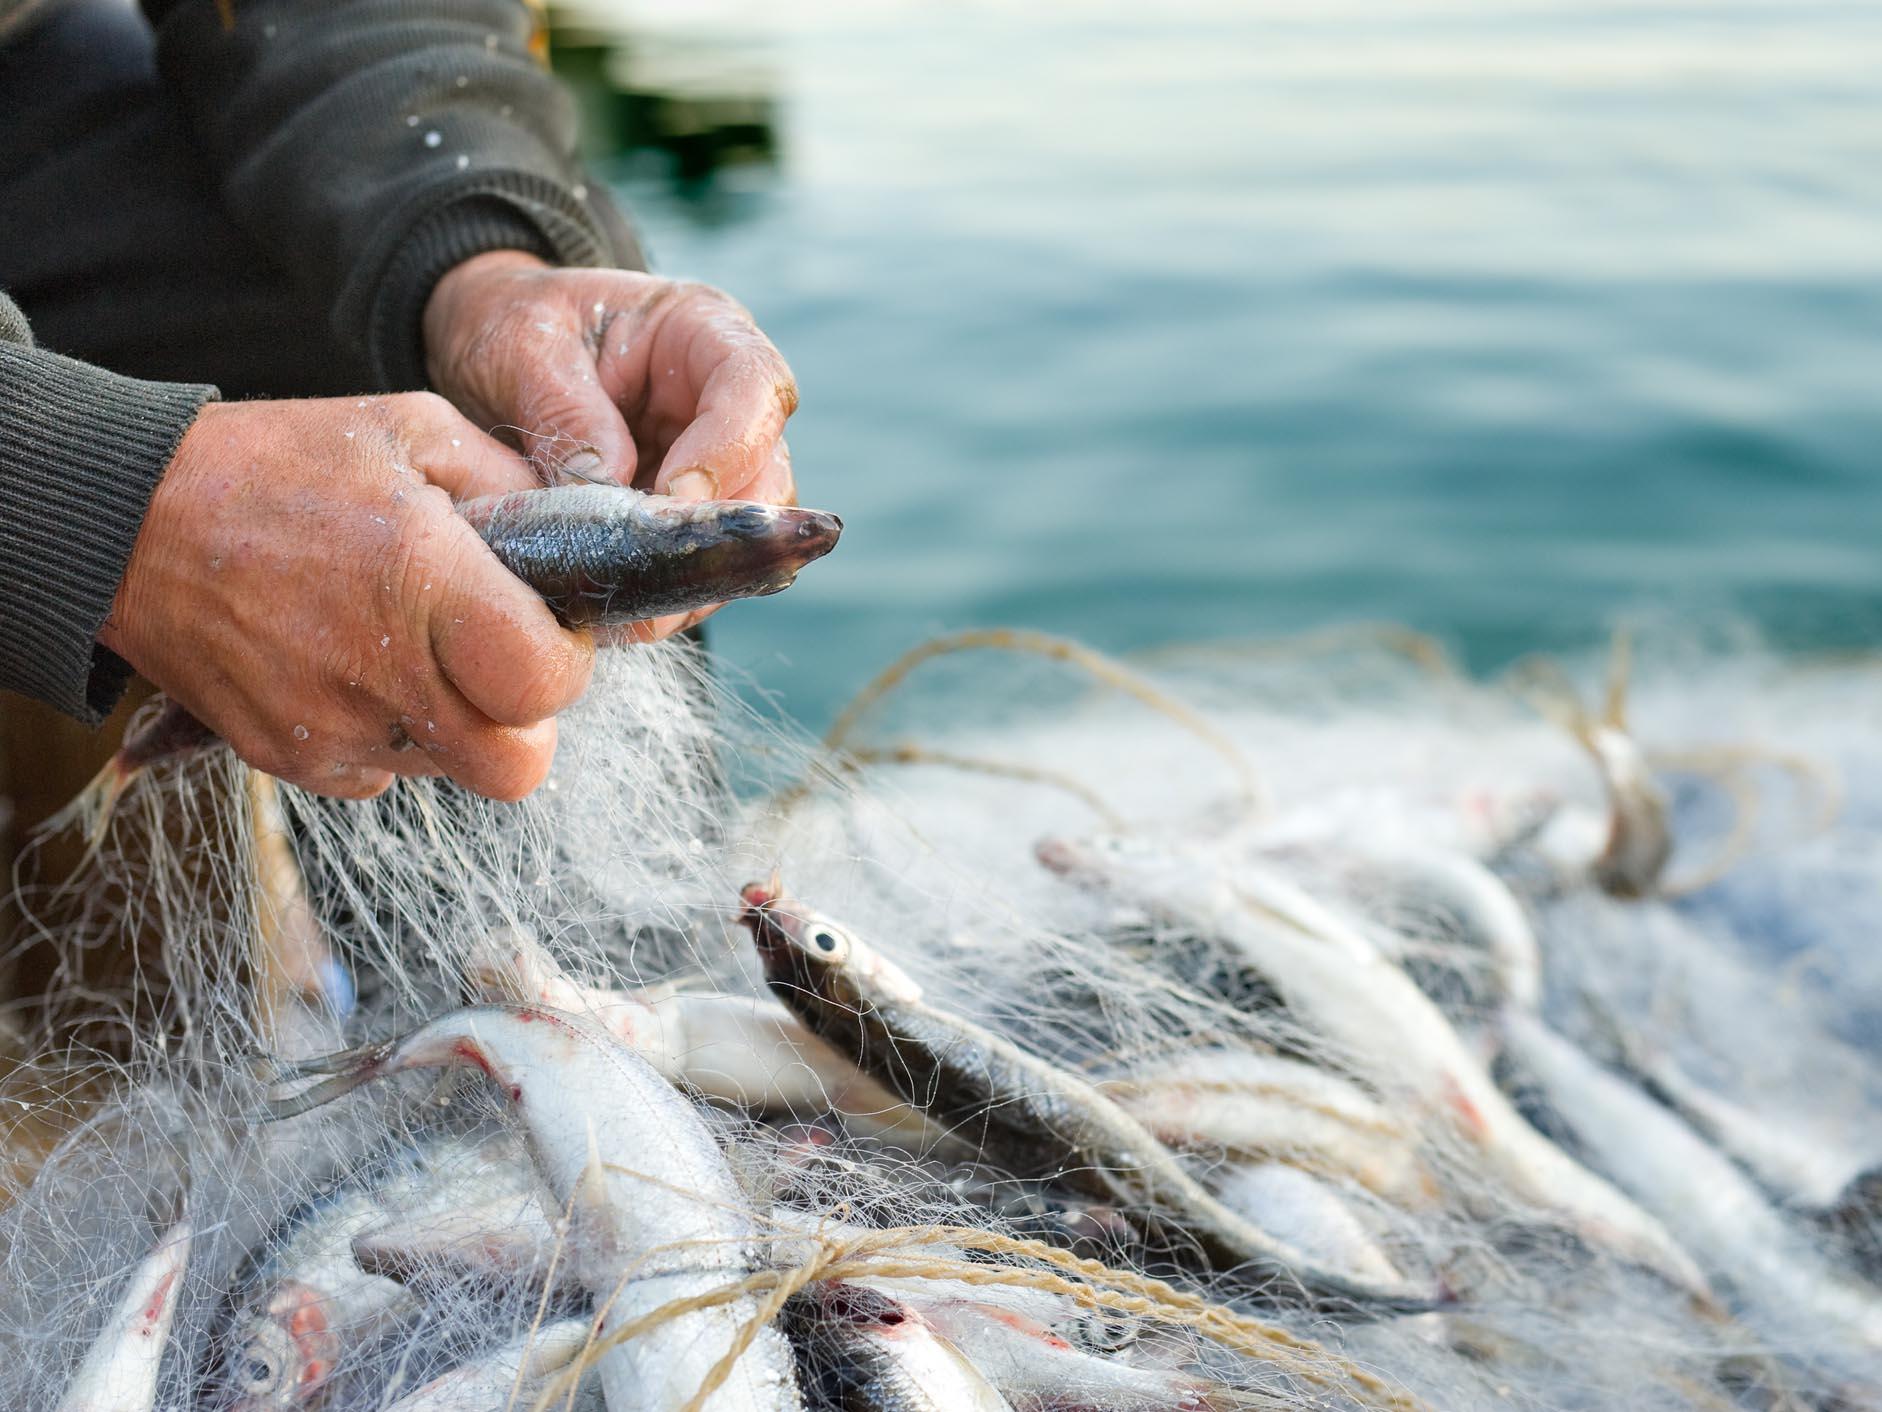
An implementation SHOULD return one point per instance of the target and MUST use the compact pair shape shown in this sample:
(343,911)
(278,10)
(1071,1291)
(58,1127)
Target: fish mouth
(773,928)
(801,537)
(753,550)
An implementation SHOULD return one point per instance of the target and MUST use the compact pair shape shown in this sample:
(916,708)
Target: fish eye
(258,1372)
(826,941)
(259,1365)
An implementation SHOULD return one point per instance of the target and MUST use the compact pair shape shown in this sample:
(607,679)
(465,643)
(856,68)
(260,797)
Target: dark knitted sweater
(368,146)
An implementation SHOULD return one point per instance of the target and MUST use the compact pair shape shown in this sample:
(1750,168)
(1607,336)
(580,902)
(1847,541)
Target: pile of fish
(1460,1079)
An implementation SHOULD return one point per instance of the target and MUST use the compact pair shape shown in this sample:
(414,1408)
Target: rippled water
(1214,318)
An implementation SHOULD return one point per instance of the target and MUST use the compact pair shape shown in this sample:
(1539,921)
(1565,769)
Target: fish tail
(318,1095)
(345,1069)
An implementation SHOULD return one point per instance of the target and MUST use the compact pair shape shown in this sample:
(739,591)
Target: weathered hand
(610,374)
(302,584)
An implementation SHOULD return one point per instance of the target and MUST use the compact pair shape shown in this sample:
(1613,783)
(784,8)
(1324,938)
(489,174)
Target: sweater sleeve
(81,450)
(370,145)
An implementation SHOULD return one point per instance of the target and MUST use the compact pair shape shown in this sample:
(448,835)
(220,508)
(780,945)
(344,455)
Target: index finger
(728,447)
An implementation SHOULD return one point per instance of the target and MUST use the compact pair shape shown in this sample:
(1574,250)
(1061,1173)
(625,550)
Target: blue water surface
(1220,318)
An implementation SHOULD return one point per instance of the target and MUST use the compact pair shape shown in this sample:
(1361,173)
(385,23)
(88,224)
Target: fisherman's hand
(302,584)
(613,375)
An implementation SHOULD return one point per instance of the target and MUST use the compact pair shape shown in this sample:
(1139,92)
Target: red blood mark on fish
(1032,1328)
(468,1051)
(151,1316)
(1470,1117)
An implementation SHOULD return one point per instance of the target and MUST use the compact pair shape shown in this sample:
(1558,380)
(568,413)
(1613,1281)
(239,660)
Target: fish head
(281,1356)
(1120,864)
(801,949)
(747,549)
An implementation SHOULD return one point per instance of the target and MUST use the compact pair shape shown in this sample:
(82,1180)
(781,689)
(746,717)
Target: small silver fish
(1798,1166)
(743,1049)
(1627,852)
(1779,1277)
(604,555)
(307,1305)
(655,1214)
(1283,1109)
(1025,1112)
(511,1376)
(860,1350)
(1037,1369)
(1640,830)
(119,1373)
(1387,1031)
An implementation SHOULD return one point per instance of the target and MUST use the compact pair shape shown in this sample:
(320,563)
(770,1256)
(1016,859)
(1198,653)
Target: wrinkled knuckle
(426,557)
(400,565)
(500,341)
(432,406)
(347,667)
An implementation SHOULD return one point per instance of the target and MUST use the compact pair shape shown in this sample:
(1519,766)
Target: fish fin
(591,1190)
(349,1068)
(341,1061)
(93,807)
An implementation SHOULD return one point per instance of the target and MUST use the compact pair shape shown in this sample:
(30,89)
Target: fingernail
(582,466)
(693,485)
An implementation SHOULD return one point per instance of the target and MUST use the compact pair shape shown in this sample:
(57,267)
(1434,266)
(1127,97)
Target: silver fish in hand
(606,555)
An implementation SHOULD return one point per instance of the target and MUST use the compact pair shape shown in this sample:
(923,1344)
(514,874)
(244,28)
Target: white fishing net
(1228,833)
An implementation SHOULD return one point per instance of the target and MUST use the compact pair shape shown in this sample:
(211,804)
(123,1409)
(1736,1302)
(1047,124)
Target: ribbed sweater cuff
(81,450)
(510,211)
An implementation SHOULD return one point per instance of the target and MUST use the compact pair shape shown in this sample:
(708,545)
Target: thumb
(548,392)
